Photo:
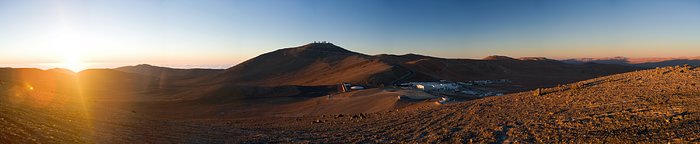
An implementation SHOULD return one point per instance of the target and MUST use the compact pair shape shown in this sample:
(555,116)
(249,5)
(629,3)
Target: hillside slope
(309,65)
(639,62)
(165,72)
(527,72)
(42,106)
(327,64)
(646,106)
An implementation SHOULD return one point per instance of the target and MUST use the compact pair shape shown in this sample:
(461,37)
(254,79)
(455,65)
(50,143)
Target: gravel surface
(655,106)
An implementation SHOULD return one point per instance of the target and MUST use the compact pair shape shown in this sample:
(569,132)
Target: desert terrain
(652,106)
(293,95)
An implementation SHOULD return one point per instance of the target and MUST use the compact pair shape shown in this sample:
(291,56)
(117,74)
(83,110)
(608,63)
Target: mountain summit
(310,64)
(498,57)
(323,47)
(322,63)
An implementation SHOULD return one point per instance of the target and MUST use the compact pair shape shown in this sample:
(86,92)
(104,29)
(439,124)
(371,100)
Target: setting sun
(72,62)
(349,71)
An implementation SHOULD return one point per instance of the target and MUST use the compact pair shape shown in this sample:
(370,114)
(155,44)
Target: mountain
(536,59)
(290,93)
(20,79)
(311,64)
(157,71)
(527,72)
(673,62)
(313,67)
(612,60)
(498,57)
(327,64)
(638,62)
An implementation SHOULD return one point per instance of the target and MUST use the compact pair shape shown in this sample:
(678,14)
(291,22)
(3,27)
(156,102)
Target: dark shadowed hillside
(311,64)
(165,72)
(638,62)
(328,64)
(529,72)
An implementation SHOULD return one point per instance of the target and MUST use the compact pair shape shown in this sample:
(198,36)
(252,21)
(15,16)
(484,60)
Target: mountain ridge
(327,64)
(650,62)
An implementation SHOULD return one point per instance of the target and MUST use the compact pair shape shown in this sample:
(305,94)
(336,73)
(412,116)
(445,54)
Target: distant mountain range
(286,76)
(317,64)
(313,70)
(308,68)
(296,88)
(327,64)
(640,62)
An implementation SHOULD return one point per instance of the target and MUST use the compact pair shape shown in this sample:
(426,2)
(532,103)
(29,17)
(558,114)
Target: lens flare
(72,62)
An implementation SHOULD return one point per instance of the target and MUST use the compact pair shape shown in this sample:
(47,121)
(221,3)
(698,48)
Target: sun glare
(73,63)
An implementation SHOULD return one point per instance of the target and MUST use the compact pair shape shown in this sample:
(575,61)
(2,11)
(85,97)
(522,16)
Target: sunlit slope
(355,102)
(109,84)
(650,106)
(42,106)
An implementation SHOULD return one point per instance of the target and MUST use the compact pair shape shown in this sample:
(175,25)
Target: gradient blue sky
(215,33)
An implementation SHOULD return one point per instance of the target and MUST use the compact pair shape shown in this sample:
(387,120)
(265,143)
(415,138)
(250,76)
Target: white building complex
(434,86)
(357,88)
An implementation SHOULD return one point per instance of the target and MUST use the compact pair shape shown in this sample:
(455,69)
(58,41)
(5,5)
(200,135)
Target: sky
(221,33)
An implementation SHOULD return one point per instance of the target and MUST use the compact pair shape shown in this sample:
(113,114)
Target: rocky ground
(658,105)
(37,117)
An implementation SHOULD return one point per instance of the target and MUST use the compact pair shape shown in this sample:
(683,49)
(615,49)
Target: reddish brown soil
(261,101)
(646,106)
